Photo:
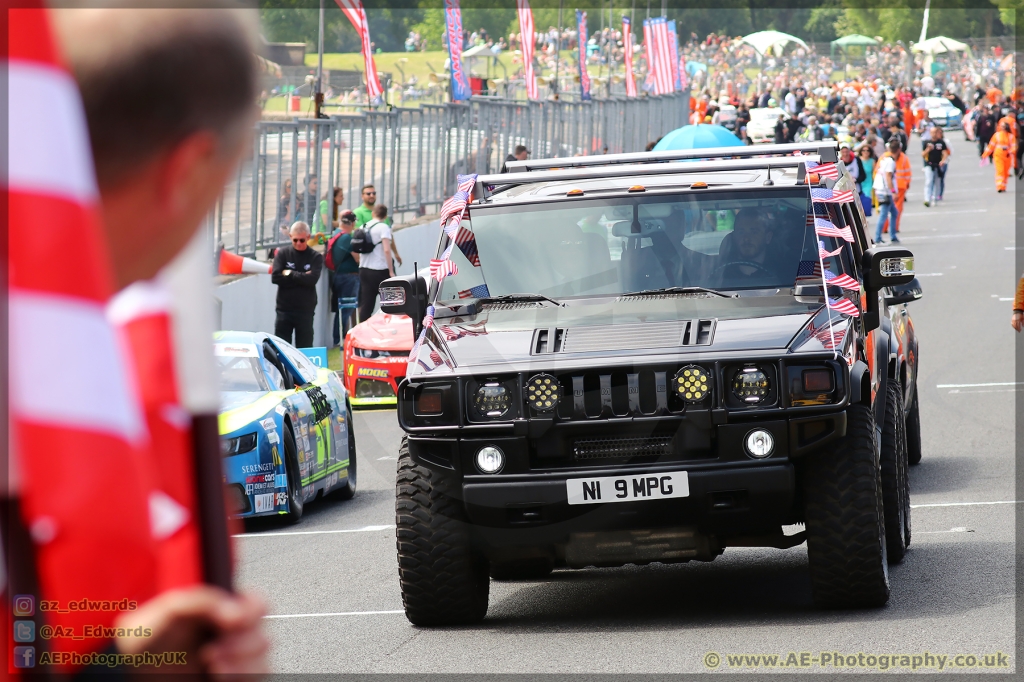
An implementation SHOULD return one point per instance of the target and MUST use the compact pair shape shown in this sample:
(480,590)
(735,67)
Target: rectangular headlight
(238,444)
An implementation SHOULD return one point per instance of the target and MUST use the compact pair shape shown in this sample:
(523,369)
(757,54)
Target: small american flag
(439,269)
(456,332)
(825,228)
(829,196)
(825,170)
(823,253)
(808,269)
(435,357)
(844,305)
(843,280)
(467,243)
(479,291)
(428,319)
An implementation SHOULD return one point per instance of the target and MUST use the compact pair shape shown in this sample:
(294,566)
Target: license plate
(627,488)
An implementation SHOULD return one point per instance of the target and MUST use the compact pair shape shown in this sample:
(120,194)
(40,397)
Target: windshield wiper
(681,290)
(506,298)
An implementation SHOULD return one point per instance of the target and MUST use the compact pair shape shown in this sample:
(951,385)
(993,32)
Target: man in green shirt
(345,276)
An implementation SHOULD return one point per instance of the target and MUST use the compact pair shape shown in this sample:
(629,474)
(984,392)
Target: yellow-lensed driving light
(691,383)
(543,392)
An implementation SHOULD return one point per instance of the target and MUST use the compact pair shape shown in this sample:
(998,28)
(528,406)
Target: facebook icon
(24,657)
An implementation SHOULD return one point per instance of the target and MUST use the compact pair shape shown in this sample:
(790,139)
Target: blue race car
(285,426)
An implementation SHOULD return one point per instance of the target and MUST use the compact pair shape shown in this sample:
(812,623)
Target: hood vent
(547,341)
(672,334)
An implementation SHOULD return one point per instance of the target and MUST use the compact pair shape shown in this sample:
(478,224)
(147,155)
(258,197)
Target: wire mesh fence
(413,156)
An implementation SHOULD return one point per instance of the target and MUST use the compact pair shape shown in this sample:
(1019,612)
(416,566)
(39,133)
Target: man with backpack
(376,263)
(344,267)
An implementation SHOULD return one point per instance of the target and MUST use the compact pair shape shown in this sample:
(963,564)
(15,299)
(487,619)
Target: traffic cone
(233,264)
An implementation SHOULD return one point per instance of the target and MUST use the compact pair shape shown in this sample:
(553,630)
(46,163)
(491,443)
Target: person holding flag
(93,510)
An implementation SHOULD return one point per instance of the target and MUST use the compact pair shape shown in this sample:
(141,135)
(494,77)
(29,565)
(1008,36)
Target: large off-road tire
(842,491)
(348,491)
(444,579)
(895,487)
(914,431)
(291,467)
(527,569)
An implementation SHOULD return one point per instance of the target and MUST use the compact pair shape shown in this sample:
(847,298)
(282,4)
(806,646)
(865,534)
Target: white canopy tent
(776,41)
(940,44)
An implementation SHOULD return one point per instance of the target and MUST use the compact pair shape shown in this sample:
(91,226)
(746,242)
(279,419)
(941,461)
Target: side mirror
(405,295)
(883,267)
(905,293)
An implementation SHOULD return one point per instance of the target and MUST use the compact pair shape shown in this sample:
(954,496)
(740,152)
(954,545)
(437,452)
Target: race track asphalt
(332,582)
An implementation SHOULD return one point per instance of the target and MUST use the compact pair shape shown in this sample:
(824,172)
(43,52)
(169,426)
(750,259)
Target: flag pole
(318,98)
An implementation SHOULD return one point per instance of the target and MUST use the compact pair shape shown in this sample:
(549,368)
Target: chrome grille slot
(620,448)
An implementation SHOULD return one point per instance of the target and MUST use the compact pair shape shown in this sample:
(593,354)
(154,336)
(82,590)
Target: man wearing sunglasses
(296,273)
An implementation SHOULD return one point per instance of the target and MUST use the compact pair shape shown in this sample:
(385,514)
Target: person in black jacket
(985,128)
(296,272)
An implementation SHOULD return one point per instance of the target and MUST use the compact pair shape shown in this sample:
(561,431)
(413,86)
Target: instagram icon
(24,605)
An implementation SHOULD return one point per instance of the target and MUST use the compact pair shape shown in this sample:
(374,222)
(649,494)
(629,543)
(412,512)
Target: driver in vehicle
(744,254)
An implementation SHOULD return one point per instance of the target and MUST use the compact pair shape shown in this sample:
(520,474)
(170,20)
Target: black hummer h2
(643,368)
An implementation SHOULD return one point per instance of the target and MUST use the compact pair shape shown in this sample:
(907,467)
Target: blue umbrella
(700,136)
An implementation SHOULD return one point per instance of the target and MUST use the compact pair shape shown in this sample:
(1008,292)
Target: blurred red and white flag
(627,48)
(353,9)
(526,40)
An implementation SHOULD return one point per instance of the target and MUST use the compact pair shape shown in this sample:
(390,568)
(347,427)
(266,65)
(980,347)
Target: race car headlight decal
(691,383)
(543,392)
(238,444)
(492,400)
(750,385)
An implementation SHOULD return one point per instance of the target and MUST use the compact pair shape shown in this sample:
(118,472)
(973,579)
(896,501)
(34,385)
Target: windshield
(589,247)
(240,374)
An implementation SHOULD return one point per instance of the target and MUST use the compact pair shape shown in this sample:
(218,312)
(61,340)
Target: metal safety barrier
(413,155)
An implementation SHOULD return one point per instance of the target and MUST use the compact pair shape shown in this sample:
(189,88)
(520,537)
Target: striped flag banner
(526,39)
(825,228)
(844,305)
(823,253)
(825,170)
(841,280)
(441,268)
(663,52)
(649,82)
(829,338)
(829,196)
(453,23)
(810,270)
(353,9)
(581,28)
(673,43)
(428,322)
(627,47)
(479,291)
(466,242)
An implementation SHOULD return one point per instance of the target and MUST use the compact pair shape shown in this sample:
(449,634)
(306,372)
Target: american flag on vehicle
(842,280)
(808,269)
(824,253)
(825,228)
(439,269)
(456,332)
(844,305)
(467,244)
(428,322)
(479,291)
(825,170)
(829,196)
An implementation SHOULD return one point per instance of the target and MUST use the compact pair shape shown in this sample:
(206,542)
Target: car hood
(621,330)
(383,332)
(232,400)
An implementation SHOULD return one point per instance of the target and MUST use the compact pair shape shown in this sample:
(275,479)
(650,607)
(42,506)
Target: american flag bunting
(844,305)
(439,269)
(825,170)
(825,228)
(829,196)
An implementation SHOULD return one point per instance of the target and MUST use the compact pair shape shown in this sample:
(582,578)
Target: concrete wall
(246,303)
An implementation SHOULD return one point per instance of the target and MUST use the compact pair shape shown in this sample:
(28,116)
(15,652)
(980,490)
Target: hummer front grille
(620,448)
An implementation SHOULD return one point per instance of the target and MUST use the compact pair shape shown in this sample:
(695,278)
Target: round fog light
(490,459)
(760,443)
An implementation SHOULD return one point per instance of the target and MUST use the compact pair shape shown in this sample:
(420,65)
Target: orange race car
(376,352)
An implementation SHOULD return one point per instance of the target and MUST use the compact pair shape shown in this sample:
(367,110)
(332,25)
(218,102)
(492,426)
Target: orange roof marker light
(637,188)
(812,179)
(698,185)
(574,193)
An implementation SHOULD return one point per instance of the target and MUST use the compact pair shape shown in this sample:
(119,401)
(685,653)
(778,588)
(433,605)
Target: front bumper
(731,495)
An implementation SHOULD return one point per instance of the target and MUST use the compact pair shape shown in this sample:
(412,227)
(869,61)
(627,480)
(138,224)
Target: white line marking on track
(1006,298)
(988,390)
(940,236)
(970,210)
(960,529)
(929,274)
(963,504)
(364,529)
(340,613)
(997,383)
(393,459)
